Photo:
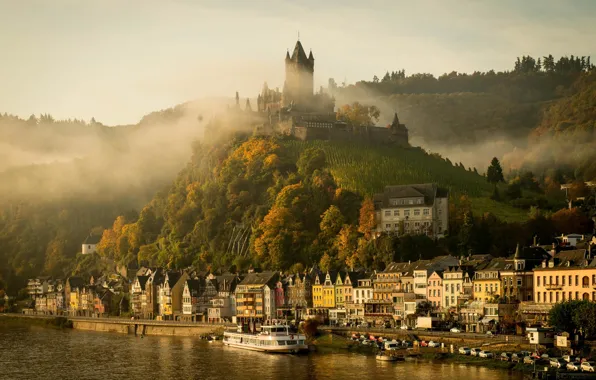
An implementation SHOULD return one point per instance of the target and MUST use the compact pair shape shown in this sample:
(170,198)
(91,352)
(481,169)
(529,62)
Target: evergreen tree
(494,174)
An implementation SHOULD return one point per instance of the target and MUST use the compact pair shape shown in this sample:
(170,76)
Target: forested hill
(285,204)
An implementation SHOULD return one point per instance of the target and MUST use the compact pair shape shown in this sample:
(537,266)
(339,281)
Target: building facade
(412,209)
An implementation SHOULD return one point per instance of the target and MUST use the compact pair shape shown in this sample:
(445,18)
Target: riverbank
(54,322)
(333,343)
(117,325)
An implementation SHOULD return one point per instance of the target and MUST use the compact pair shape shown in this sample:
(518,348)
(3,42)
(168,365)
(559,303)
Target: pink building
(433,290)
(280,299)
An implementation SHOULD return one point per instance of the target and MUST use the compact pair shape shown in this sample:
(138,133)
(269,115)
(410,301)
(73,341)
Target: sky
(119,60)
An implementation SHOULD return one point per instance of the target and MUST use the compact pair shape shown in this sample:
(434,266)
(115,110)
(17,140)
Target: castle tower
(299,83)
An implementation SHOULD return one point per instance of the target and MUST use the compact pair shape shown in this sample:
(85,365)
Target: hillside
(367,169)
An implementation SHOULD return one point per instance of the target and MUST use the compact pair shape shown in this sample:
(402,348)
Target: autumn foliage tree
(359,114)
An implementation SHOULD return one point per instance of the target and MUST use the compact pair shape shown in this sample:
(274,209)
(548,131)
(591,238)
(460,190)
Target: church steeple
(288,56)
(310,56)
(395,122)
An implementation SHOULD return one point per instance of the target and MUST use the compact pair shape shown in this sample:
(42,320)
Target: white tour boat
(276,338)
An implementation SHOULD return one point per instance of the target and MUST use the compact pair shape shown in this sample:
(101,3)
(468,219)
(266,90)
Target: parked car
(423,344)
(405,343)
(517,357)
(505,356)
(557,363)
(475,351)
(489,333)
(434,344)
(544,357)
(528,360)
(455,330)
(569,358)
(363,325)
(573,366)
(588,366)
(485,354)
(465,350)
(405,327)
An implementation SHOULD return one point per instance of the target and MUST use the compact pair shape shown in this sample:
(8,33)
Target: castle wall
(373,135)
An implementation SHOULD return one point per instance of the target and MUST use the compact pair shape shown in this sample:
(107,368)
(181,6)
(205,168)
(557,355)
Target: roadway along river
(31,352)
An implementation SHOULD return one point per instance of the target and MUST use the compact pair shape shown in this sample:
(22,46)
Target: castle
(299,111)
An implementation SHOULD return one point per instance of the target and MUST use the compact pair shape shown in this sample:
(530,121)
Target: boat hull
(280,350)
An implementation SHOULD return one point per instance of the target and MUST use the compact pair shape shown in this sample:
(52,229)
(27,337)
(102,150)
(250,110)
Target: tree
(561,316)
(367,223)
(571,221)
(359,114)
(311,159)
(585,318)
(494,173)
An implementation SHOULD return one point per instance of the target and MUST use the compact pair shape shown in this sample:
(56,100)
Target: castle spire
(237,100)
(310,57)
(395,120)
(248,107)
(287,55)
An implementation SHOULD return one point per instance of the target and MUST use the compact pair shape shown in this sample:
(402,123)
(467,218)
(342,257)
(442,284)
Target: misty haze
(379,182)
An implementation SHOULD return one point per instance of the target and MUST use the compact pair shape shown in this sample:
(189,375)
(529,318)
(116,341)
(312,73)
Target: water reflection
(37,353)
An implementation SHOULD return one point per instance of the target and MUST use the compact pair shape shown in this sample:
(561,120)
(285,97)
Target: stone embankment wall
(147,329)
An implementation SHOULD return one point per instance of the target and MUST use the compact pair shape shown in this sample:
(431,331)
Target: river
(32,352)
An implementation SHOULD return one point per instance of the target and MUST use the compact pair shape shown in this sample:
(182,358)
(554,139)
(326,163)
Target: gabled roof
(75,282)
(142,281)
(173,278)
(262,278)
(227,282)
(429,191)
(194,286)
(92,239)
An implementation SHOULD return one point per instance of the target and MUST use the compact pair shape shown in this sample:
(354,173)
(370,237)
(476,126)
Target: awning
(487,320)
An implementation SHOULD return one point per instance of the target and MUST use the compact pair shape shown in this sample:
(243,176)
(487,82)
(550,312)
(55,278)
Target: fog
(61,160)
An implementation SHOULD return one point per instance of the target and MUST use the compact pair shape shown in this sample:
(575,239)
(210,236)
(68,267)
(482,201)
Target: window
(416,212)
(425,211)
(570,283)
(395,212)
(411,202)
(538,294)
(388,226)
(576,280)
(585,282)
(387,213)
(519,282)
(563,280)
(538,281)
(406,212)
(419,201)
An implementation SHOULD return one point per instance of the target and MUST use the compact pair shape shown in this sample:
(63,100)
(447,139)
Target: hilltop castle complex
(297,110)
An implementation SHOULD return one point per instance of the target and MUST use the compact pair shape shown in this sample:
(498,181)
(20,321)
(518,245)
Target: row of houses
(477,292)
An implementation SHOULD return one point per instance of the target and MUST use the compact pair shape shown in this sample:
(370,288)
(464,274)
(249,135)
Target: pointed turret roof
(310,56)
(517,253)
(299,55)
(287,55)
(395,120)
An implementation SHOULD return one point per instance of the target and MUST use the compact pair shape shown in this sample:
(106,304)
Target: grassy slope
(368,169)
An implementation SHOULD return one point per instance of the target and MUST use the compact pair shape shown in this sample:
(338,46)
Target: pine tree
(494,174)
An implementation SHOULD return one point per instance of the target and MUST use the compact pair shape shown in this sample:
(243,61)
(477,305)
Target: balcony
(553,286)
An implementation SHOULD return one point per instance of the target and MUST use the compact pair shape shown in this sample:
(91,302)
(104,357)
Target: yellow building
(570,275)
(389,280)
(329,290)
(344,291)
(317,291)
(487,281)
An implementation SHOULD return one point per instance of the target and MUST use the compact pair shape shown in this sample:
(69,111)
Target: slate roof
(262,278)
(429,191)
(142,281)
(92,239)
(75,282)
(299,55)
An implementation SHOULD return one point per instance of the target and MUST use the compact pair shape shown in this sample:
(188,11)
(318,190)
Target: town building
(434,289)
(317,291)
(363,291)
(250,296)
(517,278)
(90,244)
(412,209)
(190,300)
(487,281)
(569,275)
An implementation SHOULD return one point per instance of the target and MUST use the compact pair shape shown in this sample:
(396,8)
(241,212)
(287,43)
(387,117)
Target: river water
(31,352)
